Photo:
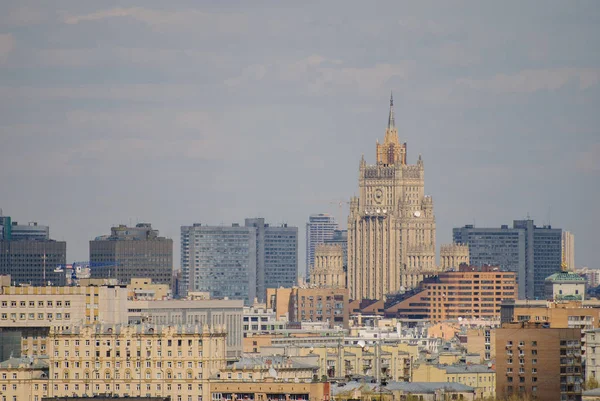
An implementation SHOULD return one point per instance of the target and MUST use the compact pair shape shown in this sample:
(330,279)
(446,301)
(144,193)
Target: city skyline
(135,124)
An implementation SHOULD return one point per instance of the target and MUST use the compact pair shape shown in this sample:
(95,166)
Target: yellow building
(328,270)
(268,391)
(144,289)
(481,377)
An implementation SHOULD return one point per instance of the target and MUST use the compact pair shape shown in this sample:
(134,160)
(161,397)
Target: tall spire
(391,122)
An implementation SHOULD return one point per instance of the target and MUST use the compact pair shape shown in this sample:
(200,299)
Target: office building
(568,249)
(534,253)
(212,312)
(130,252)
(472,292)
(29,232)
(238,262)
(310,305)
(34,262)
(391,227)
(340,237)
(538,360)
(328,269)
(319,229)
(276,255)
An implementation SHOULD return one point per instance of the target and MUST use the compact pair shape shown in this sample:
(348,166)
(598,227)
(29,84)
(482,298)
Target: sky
(207,111)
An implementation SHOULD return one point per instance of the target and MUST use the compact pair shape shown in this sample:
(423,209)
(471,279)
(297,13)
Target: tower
(391,226)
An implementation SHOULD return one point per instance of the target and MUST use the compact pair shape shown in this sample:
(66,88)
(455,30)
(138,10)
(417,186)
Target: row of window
(32,316)
(40,304)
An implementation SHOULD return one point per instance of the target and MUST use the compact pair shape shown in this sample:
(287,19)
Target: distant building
(565,285)
(328,269)
(583,315)
(130,252)
(310,304)
(238,262)
(592,353)
(453,255)
(538,360)
(532,252)
(472,292)
(568,249)
(340,237)
(276,255)
(319,229)
(30,231)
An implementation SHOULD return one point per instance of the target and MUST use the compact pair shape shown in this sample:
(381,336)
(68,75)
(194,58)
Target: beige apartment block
(145,289)
(273,390)
(391,226)
(328,270)
(453,255)
(568,249)
(480,377)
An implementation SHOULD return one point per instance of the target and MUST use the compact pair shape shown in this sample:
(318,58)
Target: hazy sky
(189,111)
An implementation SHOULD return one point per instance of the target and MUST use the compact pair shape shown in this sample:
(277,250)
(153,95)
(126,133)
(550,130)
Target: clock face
(417,214)
(378,195)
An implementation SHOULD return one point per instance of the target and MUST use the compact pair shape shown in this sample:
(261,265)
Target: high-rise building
(130,252)
(28,254)
(568,249)
(220,260)
(238,262)
(539,360)
(391,227)
(276,255)
(534,253)
(453,255)
(319,229)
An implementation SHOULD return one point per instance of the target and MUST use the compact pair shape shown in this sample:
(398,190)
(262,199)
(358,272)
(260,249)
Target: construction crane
(340,203)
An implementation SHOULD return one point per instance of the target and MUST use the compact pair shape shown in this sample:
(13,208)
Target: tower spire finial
(391,122)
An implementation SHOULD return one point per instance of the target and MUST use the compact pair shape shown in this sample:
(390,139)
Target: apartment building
(472,292)
(538,360)
(481,377)
(584,315)
(310,304)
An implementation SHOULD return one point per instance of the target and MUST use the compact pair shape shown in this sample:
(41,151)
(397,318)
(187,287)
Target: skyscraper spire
(391,122)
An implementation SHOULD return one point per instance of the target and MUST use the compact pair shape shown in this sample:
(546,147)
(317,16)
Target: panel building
(534,253)
(130,252)
(319,229)
(28,254)
(238,262)
(391,226)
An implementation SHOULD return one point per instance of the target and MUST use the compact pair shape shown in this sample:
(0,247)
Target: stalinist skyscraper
(391,226)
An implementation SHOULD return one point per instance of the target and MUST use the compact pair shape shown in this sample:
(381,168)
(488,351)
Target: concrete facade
(453,255)
(568,249)
(130,252)
(328,269)
(391,226)
(541,361)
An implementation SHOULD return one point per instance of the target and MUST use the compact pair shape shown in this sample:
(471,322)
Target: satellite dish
(272,373)
(361,343)
(378,210)
(417,213)
(402,288)
(460,319)
(489,365)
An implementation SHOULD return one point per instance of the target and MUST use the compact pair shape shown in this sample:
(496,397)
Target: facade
(534,253)
(583,315)
(340,237)
(271,390)
(482,340)
(130,252)
(328,268)
(276,255)
(403,391)
(453,255)
(568,249)
(219,260)
(592,355)
(211,312)
(391,226)
(470,293)
(145,289)
(543,362)
(33,262)
(5,227)
(31,231)
(310,305)
(238,262)
(319,229)
(126,361)
(565,286)
(481,377)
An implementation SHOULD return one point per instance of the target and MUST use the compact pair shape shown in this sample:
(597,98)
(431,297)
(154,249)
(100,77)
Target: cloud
(533,80)
(182,19)
(7,45)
